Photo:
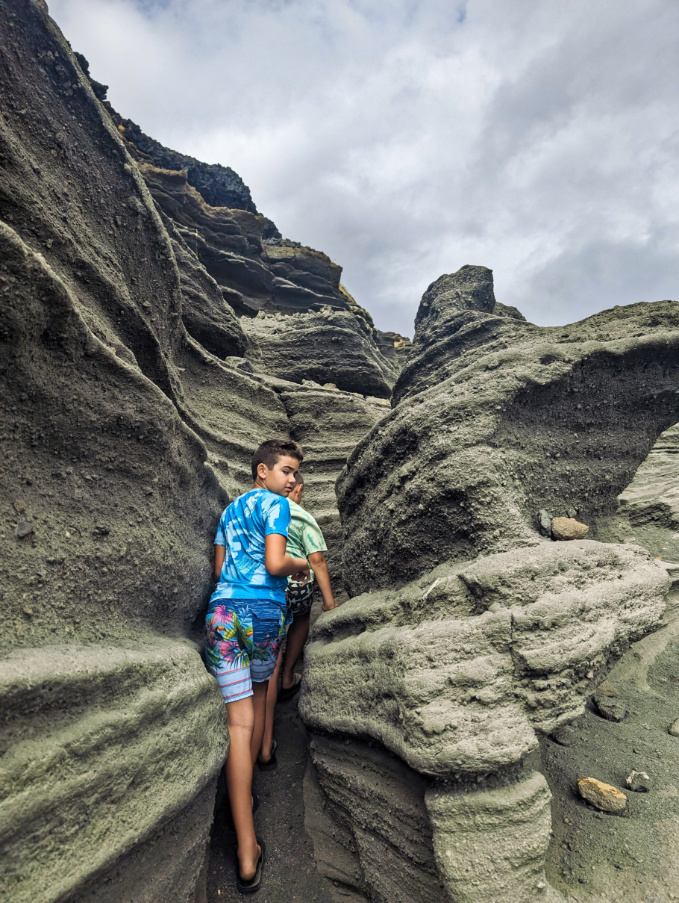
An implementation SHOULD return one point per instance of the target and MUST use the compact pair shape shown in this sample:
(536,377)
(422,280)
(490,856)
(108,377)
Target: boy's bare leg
(238,769)
(259,704)
(271,697)
(297,634)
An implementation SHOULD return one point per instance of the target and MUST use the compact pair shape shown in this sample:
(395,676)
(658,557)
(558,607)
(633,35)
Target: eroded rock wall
(129,416)
(495,418)
(469,634)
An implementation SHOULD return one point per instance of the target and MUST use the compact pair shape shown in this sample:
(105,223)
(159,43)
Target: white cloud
(410,138)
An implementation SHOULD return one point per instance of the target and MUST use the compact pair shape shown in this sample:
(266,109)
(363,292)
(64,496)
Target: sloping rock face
(495,418)
(123,435)
(329,338)
(331,346)
(473,633)
(242,250)
(219,185)
(649,506)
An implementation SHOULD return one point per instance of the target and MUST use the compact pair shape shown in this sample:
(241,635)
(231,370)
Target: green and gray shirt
(304,534)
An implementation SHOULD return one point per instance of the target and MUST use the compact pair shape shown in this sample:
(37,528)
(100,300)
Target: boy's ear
(262,470)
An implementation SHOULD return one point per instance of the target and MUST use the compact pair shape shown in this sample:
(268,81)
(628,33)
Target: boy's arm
(320,568)
(220,555)
(277,561)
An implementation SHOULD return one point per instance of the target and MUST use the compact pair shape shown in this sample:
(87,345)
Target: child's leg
(238,768)
(271,697)
(228,647)
(297,634)
(259,691)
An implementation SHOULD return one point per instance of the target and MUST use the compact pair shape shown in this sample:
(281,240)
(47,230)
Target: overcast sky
(408,138)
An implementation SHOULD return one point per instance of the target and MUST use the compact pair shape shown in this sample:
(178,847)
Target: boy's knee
(241,714)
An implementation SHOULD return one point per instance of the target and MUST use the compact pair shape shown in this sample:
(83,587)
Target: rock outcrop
(129,415)
(325,347)
(133,391)
(649,506)
(474,632)
(495,419)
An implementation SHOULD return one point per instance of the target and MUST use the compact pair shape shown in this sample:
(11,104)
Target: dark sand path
(290,872)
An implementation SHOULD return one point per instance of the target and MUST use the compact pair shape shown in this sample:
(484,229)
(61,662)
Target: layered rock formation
(133,392)
(495,418)
(329,347)
(649,506)
(129,414)
(473,633)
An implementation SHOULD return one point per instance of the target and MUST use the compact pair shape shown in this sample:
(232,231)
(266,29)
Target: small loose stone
(563,735)
(638,781)
(606,689)
(610,709)
(545,522)
(565,528)
(673,729)
(604,797)
(24,528)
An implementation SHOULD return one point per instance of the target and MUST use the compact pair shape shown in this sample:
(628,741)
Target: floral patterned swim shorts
(242,640)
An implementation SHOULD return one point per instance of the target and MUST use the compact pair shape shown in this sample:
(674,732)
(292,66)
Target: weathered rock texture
(649,506)
(473,632)
(469,660)
(329,346)
(129,416)
(494,419)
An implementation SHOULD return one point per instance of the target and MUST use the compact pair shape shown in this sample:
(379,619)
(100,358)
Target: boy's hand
(328,606)
(302,575)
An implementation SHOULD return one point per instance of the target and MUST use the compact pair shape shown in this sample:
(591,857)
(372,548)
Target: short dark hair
(299,479)
(270,451)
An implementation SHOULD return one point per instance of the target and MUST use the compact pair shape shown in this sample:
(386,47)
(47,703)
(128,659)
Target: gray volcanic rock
(394,347)
(495,419)
(205,312)
(123,435)
(509,644)
(496,633)
(649,507)
(327,347)
(328,424)
(457,674)
(370,818)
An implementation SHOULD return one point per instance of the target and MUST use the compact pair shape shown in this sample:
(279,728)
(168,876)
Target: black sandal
(272,762)
(288,692)
(254,884)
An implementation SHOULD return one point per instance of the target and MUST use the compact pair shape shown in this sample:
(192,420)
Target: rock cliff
(129,414)
(154,328)
(494,419)
(476,634)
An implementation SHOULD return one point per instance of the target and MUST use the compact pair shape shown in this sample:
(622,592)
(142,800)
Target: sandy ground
(290,872)
(632,858)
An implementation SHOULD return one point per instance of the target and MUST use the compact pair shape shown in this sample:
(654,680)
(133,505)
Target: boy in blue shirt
(246,622)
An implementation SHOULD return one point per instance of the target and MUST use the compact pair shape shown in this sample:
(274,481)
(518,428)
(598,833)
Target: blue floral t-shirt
(242,529)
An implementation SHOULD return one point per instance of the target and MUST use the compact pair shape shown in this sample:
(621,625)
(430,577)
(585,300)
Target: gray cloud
(410,138)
